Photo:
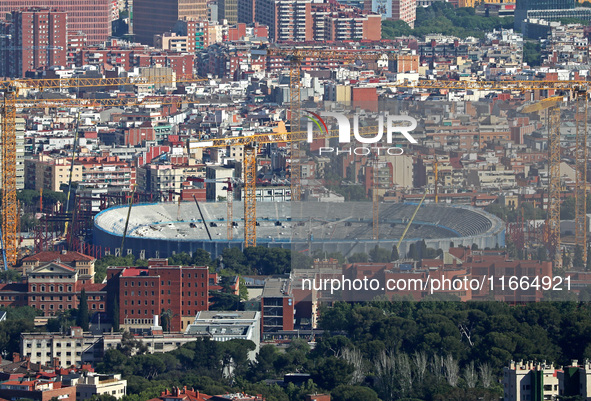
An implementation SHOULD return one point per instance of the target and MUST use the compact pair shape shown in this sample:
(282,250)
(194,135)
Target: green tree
(201,258)
(412,252)
(243,291)
(445,19)
(226,284)
(115,312)
(353,393)
(394,29)
(233,259)
(130,346)
(263,367)
(380,255)
(394,256)
(511,248)
(166,317)
(28,222)
(358,257)
(541,254)
(235,353)
(10,275)
(83,316)
(567,208)
(26,313)
(332,372)
(180,259)
(578,257)
(566,259)
(61,322)
(28,197)
(301,261)
(10,334)
(224,301)
(100,266)
(532,54)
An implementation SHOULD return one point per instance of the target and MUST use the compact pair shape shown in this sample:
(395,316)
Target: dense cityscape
(295,200)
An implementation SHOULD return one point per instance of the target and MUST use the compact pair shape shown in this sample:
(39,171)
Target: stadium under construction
(159,230)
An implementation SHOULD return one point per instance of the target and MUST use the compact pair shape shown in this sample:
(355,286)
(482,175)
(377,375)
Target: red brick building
(55,287)
(38,40)
(277,306)
(239,31)
(92,17)
(138,135)
(52,288)
(179,291)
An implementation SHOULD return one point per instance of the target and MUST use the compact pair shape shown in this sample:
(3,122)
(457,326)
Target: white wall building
(226,326)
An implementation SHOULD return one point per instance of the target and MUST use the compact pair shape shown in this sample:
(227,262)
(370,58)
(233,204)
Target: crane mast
(581,174)
(9,203)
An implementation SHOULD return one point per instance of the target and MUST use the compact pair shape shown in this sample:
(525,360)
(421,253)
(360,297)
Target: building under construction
(163,229)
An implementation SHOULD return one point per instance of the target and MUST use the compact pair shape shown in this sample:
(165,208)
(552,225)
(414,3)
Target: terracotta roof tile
(68,257)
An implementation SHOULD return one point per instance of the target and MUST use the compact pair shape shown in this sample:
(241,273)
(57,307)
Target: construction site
(245,224)
(163,229)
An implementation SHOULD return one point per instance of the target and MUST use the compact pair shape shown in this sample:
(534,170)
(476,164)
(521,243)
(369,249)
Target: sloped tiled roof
(67,257)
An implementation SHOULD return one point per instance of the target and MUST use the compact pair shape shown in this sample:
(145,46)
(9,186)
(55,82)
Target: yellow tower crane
(552,106)
(10,103)
(9,202)
(436,178)
(581,174)
(375,196)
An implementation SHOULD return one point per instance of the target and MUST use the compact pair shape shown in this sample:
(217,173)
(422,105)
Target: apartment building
(186,36)
(90,384)
(404,10)
(153,17)
(165,180)
(92,17)
(77,348)
(20,150)
(106,171)
(72,349)
(277,305)
(338,23)
(38,40)
(228,11)
(36,390)
(288,20)
(530,381)
(49,173)
(218,189)
(177,291)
